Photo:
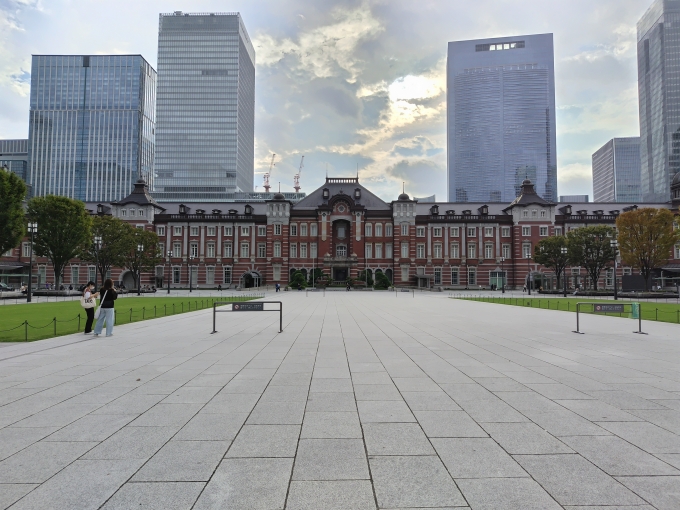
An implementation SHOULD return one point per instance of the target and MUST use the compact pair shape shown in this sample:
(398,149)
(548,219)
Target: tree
(590,247)
(298,279)
(12,222)
(365,278)
(143,261)
(63,228)
(315,275)
(116,238)
(548,253)
(382,282)
(646,238)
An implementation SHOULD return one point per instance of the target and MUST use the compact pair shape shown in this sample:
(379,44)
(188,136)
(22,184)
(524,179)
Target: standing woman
(88,303)
(108,296)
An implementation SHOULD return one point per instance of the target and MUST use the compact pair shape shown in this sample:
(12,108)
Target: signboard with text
(608,308)
(247,307)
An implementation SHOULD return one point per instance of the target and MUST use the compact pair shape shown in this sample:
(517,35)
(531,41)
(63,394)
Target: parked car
(5,288)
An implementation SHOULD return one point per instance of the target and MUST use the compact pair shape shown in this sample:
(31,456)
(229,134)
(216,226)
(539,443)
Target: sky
(359,84)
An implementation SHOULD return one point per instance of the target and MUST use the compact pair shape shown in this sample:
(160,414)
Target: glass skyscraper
(501,118)
(14,156)
(91,125)
(205,137)
(659,86)
(616,171)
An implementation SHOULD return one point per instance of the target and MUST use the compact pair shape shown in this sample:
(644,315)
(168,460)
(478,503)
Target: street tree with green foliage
(382,282)
(548,253)
(12,215)
(590,247)
(646,238)
(365,277)
(143,261)
(64,226)
(298,280)
(315,275)
(116,238)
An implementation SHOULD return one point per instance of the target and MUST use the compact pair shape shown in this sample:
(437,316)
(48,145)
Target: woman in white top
(88,294)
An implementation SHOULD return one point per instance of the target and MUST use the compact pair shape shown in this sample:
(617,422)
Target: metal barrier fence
(604,308)
(316,289)
(652,313)
(247,307)
(127,316)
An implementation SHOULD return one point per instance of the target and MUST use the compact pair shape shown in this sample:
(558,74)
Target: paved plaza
(366,400)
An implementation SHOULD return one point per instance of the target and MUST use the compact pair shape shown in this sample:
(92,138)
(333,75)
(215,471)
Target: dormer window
(200,211)
(615,212)
(467,212)
(182,209)
(357,194)
(567,210)
(100,209)
(216,211)
(599,212)
(484,210)
(450,212)
(582,212)
(326,193)
(434,210)
(249,209)
(233,211)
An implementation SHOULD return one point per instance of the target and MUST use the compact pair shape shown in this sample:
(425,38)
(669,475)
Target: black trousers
(90,319)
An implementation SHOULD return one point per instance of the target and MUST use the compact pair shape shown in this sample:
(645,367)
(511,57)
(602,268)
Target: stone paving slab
(366,400)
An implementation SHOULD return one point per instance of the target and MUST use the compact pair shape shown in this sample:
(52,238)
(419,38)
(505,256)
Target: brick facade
(342,228)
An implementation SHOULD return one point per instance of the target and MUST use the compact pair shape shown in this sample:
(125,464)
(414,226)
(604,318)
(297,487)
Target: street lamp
(97,242)
(615,245)
(528,257)
(564,251)
(169,269)
(32,228)
(503,275)
(140,249)
(191,275)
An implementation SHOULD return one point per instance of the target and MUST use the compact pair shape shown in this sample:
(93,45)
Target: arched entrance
(250,279)
(128,279)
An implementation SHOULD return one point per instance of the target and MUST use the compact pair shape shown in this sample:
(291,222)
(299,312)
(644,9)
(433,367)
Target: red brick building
(344,229)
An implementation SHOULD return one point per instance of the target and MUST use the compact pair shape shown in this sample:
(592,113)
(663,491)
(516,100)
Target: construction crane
(268,174)
(296,179)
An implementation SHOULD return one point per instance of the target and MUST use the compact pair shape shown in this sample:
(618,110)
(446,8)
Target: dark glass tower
(501,118)
(91,125)
(205,140)
(659,86)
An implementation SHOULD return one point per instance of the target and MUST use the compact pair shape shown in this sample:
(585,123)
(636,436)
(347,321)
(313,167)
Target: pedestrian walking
(524,289)
(87,301)
(278,287)
(106,310)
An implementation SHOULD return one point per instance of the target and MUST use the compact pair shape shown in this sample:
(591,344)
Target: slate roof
(337,186)
(140,196)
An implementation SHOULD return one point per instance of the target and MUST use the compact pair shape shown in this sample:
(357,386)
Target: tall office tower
(205,140)
(616,171)
(659,86)
(501,118)
(14,156)
(577,199)
(91,125)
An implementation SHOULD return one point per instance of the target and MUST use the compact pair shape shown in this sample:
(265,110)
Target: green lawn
(662,312)
(70,317)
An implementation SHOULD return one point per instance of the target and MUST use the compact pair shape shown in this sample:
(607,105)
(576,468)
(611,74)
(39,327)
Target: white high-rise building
(205,123)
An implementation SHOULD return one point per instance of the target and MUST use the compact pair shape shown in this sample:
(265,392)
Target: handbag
(87,303)
(98,311)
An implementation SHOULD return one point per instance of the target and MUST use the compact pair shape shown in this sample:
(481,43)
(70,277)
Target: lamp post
(503,275)
(169,270)
(191,275)
(97,242)
(140,249)
(32,228)
(564,251)
(615,245)
(529,272)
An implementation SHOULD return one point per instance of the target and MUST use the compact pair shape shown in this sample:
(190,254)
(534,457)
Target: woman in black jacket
(108,296)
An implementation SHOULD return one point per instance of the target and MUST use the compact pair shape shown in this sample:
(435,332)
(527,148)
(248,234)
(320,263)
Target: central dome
(404,197)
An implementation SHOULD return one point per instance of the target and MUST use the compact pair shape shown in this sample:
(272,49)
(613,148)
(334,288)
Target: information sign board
(247,307)
(608,308)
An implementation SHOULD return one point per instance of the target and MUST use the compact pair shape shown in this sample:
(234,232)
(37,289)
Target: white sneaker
(110,335)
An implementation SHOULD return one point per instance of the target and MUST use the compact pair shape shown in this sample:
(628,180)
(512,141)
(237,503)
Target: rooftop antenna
(296,178)
(326,170)
(266,176)
(279,186)
(357,171)
(403,187)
